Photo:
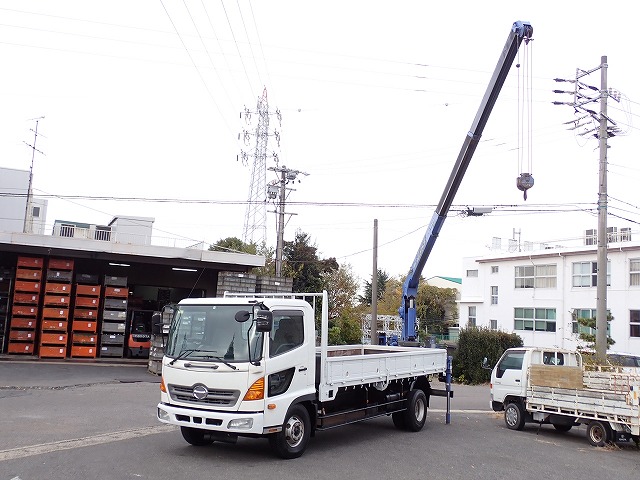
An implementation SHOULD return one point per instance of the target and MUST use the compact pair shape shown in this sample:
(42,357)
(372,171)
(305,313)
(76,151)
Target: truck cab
(509,377)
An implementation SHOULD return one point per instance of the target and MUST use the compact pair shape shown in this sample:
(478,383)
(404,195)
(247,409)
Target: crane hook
(524,182)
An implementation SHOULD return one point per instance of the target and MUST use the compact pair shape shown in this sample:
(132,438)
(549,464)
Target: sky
(141,101)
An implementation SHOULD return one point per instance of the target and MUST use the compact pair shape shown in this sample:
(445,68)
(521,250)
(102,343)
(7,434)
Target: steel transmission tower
(255,224)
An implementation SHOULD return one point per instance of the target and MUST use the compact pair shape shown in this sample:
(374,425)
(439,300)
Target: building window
(493,324)
(472,273)
(585,274)
(634,323)
(538,319)
(634,272)
(536,276)
(472,317)
(494,269)
(494,295)
(586,313)
(36,212)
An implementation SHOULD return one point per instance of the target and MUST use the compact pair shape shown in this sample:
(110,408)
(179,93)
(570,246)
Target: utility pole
(279,189)
(27,226)
(374,287)
(601,303)
(603,129)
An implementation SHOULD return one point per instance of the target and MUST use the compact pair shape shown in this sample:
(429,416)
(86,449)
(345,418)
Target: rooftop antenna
(27,227)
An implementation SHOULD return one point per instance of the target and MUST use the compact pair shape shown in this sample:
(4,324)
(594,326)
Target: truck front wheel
(598,433)
(416,413)
(292,440)
(514,416)
(195,436)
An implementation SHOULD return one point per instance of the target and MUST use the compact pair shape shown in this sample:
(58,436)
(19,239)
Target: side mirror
(156,323)
(264,321)
(242,316)
(485,364)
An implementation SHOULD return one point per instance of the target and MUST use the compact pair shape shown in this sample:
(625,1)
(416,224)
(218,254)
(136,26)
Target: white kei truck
(247,365)
(552,386)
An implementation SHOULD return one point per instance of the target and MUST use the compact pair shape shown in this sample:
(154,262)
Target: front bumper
(246,423)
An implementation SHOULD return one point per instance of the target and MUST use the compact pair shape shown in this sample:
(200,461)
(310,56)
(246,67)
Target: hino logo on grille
(200,392)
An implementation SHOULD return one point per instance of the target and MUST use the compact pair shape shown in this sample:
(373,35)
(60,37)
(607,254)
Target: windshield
(211,333)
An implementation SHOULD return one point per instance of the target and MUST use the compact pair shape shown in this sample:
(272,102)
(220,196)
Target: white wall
(12,207)
(133,230)
(621,297)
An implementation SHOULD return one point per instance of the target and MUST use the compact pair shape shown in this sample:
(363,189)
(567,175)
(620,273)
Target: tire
(598,433)
(562,427)
(292,441)
(399,420)
(514,416)
(196,437)
(416,413)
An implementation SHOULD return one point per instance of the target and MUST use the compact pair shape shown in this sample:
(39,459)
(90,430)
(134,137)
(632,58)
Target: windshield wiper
(189,351)
(184,353)
(233,367)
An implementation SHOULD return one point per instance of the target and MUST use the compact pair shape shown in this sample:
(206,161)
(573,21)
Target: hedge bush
(474,345)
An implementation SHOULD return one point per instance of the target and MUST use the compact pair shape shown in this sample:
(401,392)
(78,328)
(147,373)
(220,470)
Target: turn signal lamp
(163,389)
(256,391)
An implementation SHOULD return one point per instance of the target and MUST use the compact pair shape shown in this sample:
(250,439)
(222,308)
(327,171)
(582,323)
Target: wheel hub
(294,431)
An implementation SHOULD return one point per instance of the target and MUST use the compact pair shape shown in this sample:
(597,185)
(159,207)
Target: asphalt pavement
(63,374)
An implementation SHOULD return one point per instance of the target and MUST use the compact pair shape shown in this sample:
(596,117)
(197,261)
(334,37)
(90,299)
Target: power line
(534,208)
(224,119)
(244,67)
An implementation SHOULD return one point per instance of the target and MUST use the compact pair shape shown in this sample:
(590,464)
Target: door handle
(518,380)
(302,369)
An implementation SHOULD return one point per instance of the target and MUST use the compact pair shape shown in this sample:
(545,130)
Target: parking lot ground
(104,427)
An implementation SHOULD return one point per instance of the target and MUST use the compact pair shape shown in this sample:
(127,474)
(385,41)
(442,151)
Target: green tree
(383,278)
(344,316)
(342,287)
(436,308)
(234,245)
(269,254)
(474,345)
(587,330)
(391,298)
(300,261)
(345,330)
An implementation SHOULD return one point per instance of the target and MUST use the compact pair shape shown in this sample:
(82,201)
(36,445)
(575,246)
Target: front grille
(219,398)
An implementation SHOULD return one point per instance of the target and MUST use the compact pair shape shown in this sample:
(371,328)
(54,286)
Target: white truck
(248,365)
(551,386)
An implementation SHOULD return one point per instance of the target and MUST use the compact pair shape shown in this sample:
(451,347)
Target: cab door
(508,377)
(289,374)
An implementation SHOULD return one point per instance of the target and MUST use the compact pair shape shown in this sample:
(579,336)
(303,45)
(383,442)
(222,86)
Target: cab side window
(287,334)
(553,358)
(511,361)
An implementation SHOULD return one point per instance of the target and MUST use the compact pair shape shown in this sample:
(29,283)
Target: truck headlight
(162,415)
(243,423)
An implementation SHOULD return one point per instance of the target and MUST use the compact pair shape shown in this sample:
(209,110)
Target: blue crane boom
(519,31)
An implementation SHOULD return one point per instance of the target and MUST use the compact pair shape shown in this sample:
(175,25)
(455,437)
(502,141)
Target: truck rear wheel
(292,440)
(195,436)
(416,413)
(598,433)
(514,416)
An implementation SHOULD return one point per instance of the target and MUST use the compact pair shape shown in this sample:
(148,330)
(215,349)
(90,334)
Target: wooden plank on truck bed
(557,376)
(612,381)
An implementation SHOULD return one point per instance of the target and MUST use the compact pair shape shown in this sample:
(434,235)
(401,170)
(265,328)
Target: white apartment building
(538,294)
